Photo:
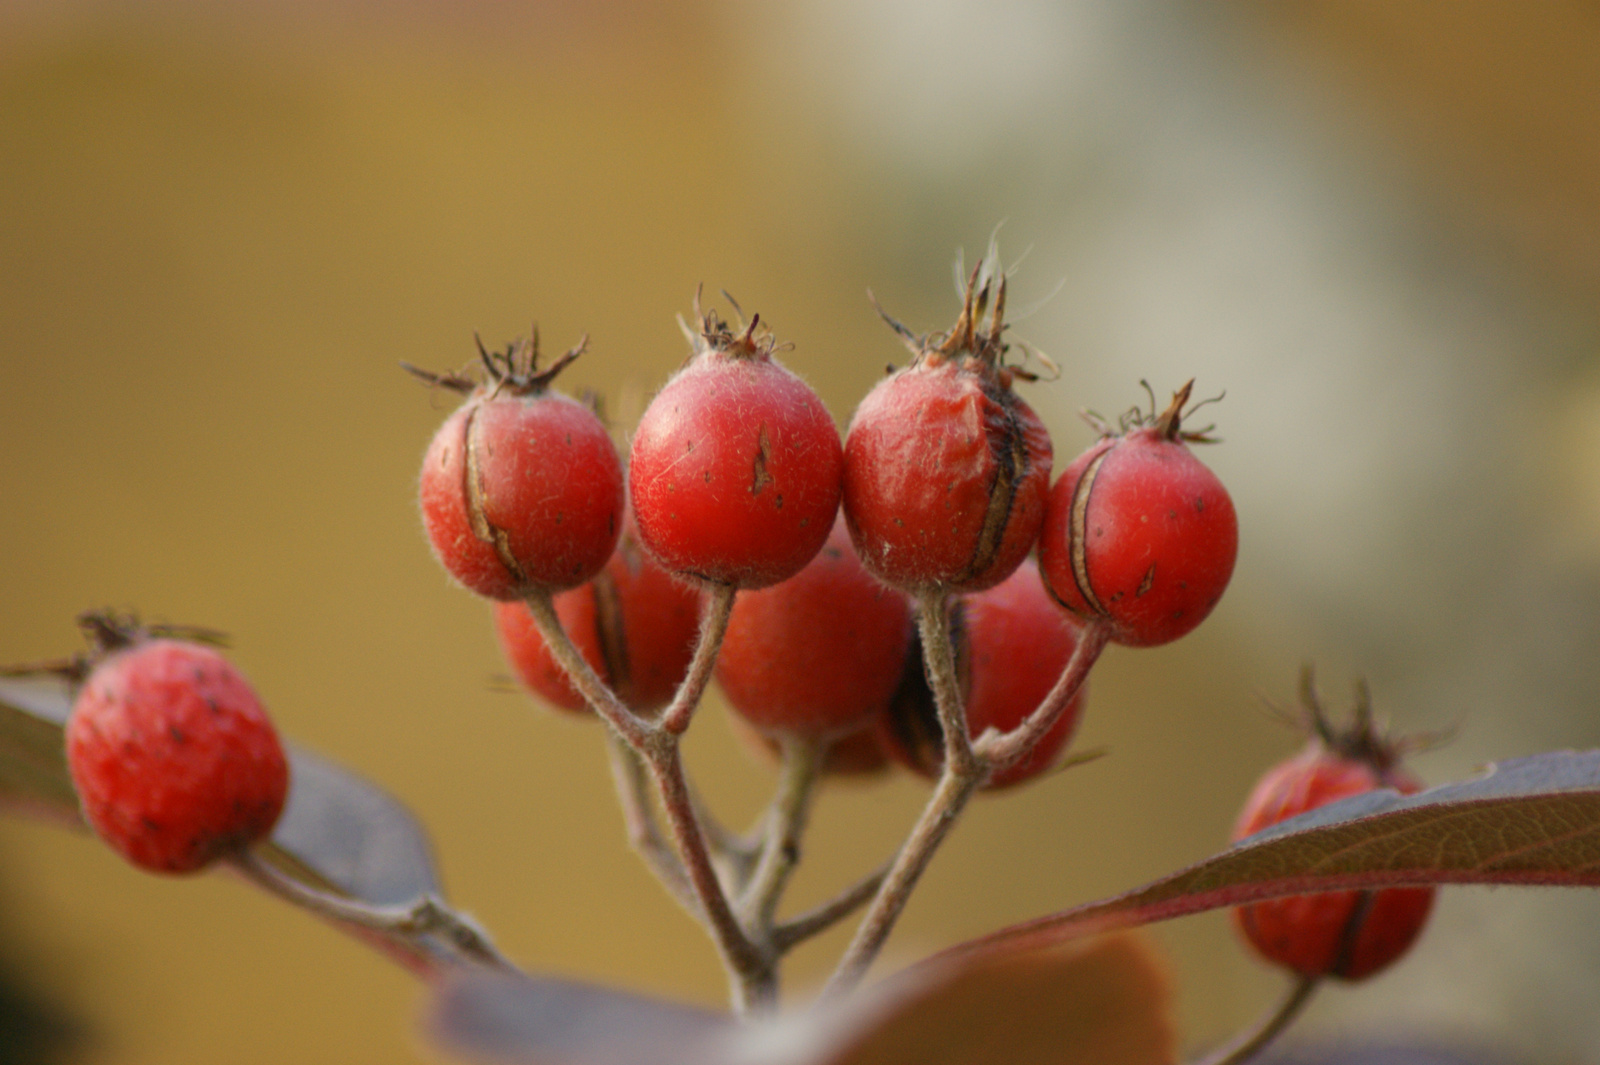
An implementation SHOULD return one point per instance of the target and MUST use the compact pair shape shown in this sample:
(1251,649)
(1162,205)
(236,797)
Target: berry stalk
(1250,1042)
(644,832)
(1000,752)
(965,770)
(780,845)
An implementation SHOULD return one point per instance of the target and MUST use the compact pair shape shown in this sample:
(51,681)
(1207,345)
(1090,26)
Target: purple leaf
(1532,820)
(526,1019)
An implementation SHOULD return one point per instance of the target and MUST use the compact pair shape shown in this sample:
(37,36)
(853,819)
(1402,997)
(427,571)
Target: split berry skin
(1345,934)
(735,468)
(946,468)
(173,757)
(1139,534)
(521,488)
(634,623)
(1012,644)
(819,654)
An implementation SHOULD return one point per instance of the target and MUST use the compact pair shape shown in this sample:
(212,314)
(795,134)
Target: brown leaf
(1106,1002)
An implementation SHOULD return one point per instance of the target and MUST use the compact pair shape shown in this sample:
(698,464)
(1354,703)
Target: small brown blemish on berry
(760,477)
(1149,579)
(177,735)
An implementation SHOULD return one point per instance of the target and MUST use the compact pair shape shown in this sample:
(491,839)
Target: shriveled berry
(521,488)
(946,468)
(1011,645)
(634,623)
(174,759)
(1139,533)
(818,654)
(1346,934)
(735,467)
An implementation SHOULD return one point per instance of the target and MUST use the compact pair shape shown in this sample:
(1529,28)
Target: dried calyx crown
(514,371)
(1169,423)
(743,340)
(107,631)
(1364,740)
(978,334)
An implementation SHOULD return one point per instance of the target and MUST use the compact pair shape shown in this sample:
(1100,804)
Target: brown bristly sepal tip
(1170,424)
(451,381)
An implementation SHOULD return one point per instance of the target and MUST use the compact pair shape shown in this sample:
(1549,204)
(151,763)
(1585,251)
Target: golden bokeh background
(222,228)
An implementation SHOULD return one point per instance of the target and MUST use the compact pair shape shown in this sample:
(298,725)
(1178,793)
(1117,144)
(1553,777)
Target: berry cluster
(737,480)
(916,594)
(860,603)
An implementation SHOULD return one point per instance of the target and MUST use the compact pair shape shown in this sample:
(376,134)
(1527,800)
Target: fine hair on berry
(735,468)
(174,759)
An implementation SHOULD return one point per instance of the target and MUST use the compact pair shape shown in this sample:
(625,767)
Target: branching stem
(427,916)
(965,769)
(780,843)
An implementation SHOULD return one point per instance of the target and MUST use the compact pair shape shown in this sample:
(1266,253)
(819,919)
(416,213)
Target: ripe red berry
(1347,934)
(521,487)
(946,468)
(635,625)
(1139,533)
(174,759)
(857,755)
(1011,645)
(735,467)
(820,653)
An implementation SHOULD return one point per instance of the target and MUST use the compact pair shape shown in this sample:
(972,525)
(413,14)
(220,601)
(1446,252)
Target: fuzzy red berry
(820,653)
(857,755)
(635,624)
(521,487)
(1347,934)
(1139,534)
(1011,646)
(946,468)
(735,468)
(174,759)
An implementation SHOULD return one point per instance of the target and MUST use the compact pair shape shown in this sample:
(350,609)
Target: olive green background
(222,229)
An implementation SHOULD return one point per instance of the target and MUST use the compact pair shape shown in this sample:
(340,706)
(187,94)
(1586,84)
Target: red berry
(1347,934)
(857,755)
(820,653)
(635,624)
(735,467)
(1012,645)
(1140,534)
(946,468)
(521,488)
(173,756)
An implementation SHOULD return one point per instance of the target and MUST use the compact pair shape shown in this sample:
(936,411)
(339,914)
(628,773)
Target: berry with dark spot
(735,469)
(946,468)
(521,488)
(174,759)
(1139,534)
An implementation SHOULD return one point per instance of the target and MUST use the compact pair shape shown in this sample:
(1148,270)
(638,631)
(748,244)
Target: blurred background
(1375,224)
